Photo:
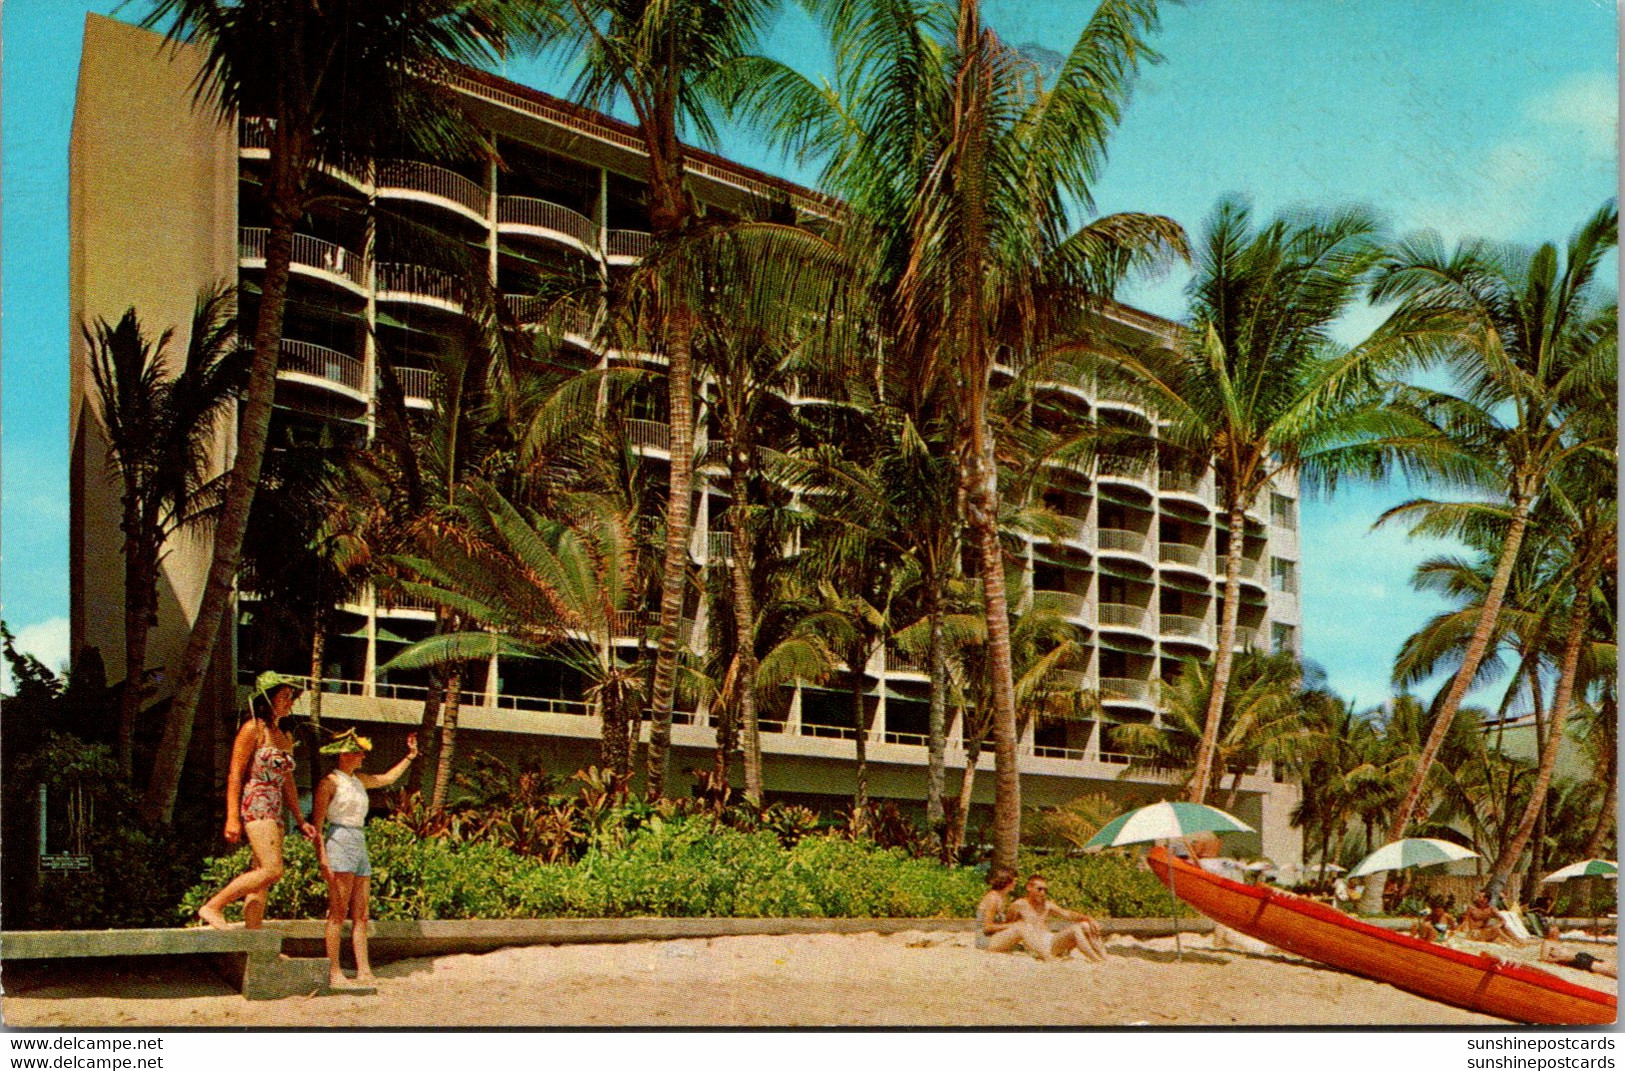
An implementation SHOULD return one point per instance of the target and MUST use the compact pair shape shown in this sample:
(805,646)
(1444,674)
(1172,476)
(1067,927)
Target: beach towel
(1515,925)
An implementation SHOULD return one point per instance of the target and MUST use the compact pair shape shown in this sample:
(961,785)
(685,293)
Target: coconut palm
(538,588)
(1262,719)
(1255,388)
(1531,345)
(160,428)
(1581,501)
(335,83)
(657,59)
(965,166)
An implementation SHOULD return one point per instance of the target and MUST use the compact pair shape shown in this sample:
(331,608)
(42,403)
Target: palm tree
(1581,500)
(159,431)
(538,588)
(1263,715)
(964,167)
(658,57)
(1336,763)
(1256,389)
(334,83)
(1528,342)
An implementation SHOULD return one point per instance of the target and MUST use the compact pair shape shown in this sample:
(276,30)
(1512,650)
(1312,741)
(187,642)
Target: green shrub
(1109,884)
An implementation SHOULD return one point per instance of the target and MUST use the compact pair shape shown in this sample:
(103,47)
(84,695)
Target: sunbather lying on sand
(1580,961)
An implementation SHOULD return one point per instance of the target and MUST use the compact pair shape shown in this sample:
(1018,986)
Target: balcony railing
(1127,690)
(1122,540)
(719,546)
(1126,470)
(1122,615)
(1068,604)
(1185,554)
(1071,530)
(1181,483)
(1251,569)
(627,244)
(650,434)
(417,384)
(436,181)
(309,359)
(1187,628)
(533,309)
(308,252)
(545,215)
(898,662)
(418,281)
(254,132)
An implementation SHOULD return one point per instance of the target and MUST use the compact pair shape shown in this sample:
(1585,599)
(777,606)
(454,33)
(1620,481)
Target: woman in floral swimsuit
(258,787)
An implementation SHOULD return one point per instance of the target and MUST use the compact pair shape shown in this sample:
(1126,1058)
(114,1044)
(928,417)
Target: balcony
(1128,690)
(1123,541)
(530,309)
(905,664)
(1124,470)
(1070,605)
(649,435)
(306,361)
(417,181)
(1180,483)
(1247,638)
(311,256)
(719,546)
(544,219)
(1185,627)
(417,384)
(626,247)
(1252,571)
(420,285)
(1187,556)
(1073,532)
(1123,615)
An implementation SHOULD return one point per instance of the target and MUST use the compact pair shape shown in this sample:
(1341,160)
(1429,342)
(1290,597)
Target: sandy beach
(907,979)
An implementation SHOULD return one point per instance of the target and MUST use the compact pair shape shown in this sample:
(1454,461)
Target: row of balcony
(306,361)
(416,180)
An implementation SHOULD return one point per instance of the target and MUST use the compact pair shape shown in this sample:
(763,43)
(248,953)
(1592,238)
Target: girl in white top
(341,802)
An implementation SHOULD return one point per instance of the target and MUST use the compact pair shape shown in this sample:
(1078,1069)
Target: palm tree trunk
(984,511)
(1579,622)
(318,654)
(426,729)
(448,736)
(860,719)
(1610,798)
(745,627)
(937,726)
(139,586)
(1196,791)
(286,204)
(967,784)
(1472,658)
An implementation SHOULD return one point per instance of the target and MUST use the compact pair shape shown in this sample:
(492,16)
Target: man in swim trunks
(1481,922)
(1033,912)
(1580,961)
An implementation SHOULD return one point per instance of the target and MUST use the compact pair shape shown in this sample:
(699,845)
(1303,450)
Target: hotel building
(166,201)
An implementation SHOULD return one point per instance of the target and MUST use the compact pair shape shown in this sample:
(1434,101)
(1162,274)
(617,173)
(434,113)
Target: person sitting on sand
(341,802)
(1481,922)
(993,933)
(1033,911)
(1435,925)
(260,794)
(1580,961)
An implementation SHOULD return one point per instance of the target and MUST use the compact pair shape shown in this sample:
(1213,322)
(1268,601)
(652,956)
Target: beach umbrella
(1412,851)
(1586,868)
(1168,820)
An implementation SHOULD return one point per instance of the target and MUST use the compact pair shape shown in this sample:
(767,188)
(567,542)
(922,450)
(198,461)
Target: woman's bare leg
(359,923)
(340,888)
(265,839)
(1004,940)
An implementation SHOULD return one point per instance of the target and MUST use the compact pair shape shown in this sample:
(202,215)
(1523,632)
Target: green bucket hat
(345,742)
(270,680)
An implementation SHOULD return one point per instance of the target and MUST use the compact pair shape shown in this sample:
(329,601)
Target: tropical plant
(1531,345)
(160,430)
(659,59)
(963,166)
(333,84)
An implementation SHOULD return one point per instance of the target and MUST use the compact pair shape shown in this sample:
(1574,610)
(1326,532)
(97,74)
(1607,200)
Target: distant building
(165,202)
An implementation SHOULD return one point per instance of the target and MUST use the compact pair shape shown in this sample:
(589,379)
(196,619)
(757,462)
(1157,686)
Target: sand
(907,979)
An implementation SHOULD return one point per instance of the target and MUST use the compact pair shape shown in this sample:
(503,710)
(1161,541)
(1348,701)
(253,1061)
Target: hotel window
(1283,638)
(1283,511)
(1284,576)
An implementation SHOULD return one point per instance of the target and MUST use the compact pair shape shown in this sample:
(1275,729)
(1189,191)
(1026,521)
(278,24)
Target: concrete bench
(251,959)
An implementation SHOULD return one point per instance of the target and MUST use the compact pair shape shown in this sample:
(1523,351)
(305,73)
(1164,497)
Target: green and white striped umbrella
(1586,868)
(1165,821)
(1412,851)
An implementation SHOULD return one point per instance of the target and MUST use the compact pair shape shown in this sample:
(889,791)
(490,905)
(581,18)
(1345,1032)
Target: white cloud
(1586,105)
(46,641)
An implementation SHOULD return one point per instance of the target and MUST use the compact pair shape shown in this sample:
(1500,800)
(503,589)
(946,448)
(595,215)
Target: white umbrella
(1586,868)
(1412,851)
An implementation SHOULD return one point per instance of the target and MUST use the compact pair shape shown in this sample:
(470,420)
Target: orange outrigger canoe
(1315,931)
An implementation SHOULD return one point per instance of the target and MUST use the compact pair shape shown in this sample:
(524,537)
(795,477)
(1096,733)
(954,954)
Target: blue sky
(1494,119)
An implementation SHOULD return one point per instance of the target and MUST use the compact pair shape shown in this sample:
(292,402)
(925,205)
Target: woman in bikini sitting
(992,931)
(259,794)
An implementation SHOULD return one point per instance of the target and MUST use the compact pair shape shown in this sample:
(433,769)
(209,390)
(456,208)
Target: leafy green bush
(1109,884)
